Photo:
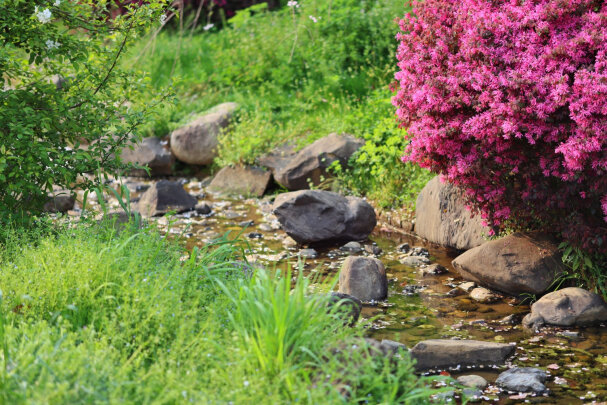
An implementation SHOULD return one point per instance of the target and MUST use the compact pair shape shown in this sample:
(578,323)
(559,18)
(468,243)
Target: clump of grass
(96,315)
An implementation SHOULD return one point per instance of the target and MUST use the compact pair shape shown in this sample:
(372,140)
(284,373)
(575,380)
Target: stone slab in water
(436,354)
(315,216)
(515,264)
(239,180)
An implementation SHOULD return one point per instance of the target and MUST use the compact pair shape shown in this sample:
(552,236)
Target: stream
(418,307)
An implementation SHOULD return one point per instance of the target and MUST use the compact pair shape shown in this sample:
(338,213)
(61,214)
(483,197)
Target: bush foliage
(509,101)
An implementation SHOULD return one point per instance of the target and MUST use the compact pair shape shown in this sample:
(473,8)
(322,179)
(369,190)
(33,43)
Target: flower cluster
(508,100)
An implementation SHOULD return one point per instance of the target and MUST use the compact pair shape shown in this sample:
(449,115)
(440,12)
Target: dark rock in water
(403,248)
(61,201)
(473,381)
(149,152)
(196,143)
(311,163)
(433,270)
(441,217)
(445,353)
(255,235)
(350,305)
(570,306)
(523,379)
(238,180)
(313,216)
(419,252)
(308,253)
(412,289)
(515,264)
(363,277)
(165,196)
(512,319)
(203,208)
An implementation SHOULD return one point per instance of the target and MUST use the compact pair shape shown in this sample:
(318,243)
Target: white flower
(50,44)
(57,3)
(314,19)
(163,19)
(293,3)
(208,27)
(43,16)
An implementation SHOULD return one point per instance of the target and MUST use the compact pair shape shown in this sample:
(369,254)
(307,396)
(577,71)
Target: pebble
(433,270)
(467,286)
(415,261)
(403,248)
(308,253)
(352,247)
(473,381)
(483,295)
(373,249)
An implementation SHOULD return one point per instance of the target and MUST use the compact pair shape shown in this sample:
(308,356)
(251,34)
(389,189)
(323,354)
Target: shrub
(92,100)
(507,100)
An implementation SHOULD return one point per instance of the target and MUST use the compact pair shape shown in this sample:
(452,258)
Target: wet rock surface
(523,379)
(441,217)
(473,381)
(314,216)
(570,306)
(240,180)
(363,277)
(515,264)
(444,353)
(165,196)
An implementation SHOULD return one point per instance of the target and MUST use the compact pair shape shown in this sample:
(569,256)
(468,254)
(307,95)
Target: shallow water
(575,359)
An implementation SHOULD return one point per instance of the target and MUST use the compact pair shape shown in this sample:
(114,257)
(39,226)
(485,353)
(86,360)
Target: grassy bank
(90,316)
(298,73)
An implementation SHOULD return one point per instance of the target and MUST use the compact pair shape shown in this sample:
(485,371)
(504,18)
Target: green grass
(296,81)
(89,315)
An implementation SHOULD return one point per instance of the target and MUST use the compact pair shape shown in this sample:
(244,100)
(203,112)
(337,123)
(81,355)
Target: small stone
(289,242)
(414,261)
(433,270)
(390,347)
(308,253)
(255,235)
(467,286)
(403,248)
(266,228)
(523,379)
(473,381)
(246,224)
(419,251)
(363,277)
(512,319)
(203,208)
(372,249)
(352,247)
(483,295)
(453,292)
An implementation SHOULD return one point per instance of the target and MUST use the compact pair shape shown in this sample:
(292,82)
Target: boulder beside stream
(313,216)
(165,196)
(437,354)
(515,264)
(241,180)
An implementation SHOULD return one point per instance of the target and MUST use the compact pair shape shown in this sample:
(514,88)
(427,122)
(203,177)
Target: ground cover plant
(95,314)
(507,100)
(299,73)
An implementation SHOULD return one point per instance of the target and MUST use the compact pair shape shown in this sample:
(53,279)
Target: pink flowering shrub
(508,100)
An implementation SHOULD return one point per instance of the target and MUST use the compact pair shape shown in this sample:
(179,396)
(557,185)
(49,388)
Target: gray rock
(308,253)
(444,353)
(350,305)
(523,379)
(483,295)
(196,143)
(419,252)
(239,180)
(165,196)
(433,270)
(473,381)
(390,347)
(363,277)
(311,163)
(403,248)
(570,306)
(374,250)
(204,208)
(514,264)
(441,217)
(61,201)
(151,153)
(414,261)
(512,319)
(467,286)
(352,247)
(313,216)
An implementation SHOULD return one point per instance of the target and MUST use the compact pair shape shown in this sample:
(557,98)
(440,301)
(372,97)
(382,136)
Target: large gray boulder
(363,277)
(151,153)
(523,379)
(313,216)
(441,217)
(196,143)
(59,201)
(165,196)
(239,180)
(311,163)
(515,264)
(570,306)
(436,354)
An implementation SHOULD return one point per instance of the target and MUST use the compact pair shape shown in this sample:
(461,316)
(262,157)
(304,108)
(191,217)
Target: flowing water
(419,307)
